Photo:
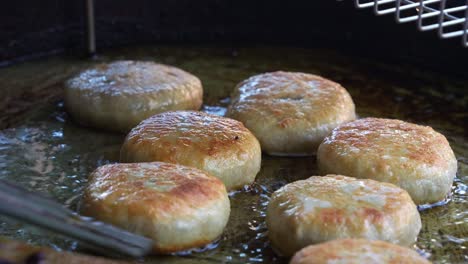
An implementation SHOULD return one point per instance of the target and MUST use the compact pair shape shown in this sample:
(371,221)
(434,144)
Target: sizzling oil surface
(43,150)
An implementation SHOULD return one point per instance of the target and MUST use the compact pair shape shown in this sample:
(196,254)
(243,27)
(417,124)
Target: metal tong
(35,209)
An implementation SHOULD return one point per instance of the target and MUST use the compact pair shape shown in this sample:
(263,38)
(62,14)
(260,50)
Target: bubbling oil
(47,152)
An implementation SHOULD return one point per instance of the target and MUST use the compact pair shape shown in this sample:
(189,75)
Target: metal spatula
(35,209)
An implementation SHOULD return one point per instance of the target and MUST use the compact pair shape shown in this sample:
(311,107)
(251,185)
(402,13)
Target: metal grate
(448,17)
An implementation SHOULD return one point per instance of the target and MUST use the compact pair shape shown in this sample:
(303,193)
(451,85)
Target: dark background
(31,29)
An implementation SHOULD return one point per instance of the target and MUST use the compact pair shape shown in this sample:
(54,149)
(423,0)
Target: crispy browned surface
(219,145)
(161,187)
(129,77)
(414,157)
(324,208)
(357,251)
(117,96)
(290,112)
(419,143)
(178,207)
(19,252)
(183,131)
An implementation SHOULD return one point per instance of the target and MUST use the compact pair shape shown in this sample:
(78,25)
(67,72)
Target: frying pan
(44,151)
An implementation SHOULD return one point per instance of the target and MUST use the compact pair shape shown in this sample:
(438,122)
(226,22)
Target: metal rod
(465,27)
(90,21)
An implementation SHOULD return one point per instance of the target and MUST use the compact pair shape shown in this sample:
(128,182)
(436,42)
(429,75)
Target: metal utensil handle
(35,209)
